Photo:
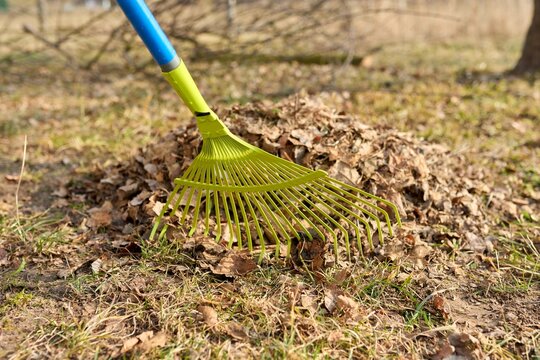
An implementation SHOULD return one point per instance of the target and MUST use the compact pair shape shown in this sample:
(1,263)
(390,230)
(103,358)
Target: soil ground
(461,278)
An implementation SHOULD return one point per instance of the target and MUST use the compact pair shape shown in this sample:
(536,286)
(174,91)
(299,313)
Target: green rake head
(257,196)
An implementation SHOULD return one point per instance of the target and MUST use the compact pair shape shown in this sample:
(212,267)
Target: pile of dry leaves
(441,198)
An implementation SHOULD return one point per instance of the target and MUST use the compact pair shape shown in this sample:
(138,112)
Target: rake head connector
(259,196)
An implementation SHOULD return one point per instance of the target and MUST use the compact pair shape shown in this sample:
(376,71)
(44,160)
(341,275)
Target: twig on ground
(17,215)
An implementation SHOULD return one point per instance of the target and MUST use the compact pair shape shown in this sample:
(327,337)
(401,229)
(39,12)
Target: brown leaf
(157,340)
(62,192)
(344,172)
(96,266)
(341,275)
(237,331)
(144,342)
(419,253)
(420,168)
(234,264)
(477,243)
(12,178)
(205,250)
(308,252)
(209,315)
(129,344)
(139,199)
(127,190)
(158,206)
(331,297)
(445,352)
(460,346)
(439,304)
(100,216)
(309,303)
(151,169)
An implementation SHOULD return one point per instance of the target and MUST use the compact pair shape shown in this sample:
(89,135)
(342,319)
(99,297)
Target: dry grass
(53,305)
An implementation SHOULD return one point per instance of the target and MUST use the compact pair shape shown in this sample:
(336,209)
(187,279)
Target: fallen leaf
(331,297)
(236,331)
(96,266)
(341,276)
(127,190)
(3,257)
(309,302)
(440,305)
(100,216)
(144,342)
(62,192)
(12,178)
(209,315)
(158,340)
(445,352)
(419,253)
(460,346)
(308,252)
(234,264)
(139,199)
(477,243)
(205,250)
(129,344)
(344,172)
(151,169)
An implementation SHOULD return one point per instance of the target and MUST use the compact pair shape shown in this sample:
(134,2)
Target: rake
(235,190)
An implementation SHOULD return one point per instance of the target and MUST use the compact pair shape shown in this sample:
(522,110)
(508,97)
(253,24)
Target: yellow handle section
(182,82)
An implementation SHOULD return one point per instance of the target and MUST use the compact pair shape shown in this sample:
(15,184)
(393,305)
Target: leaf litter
(448,206)
(441,197)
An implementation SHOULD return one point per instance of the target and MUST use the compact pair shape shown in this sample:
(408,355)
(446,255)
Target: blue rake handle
(173,69)
(151,33)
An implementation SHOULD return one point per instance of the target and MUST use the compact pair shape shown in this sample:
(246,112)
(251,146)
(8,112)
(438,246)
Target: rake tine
(207,212)
(281,215)
(365,211)
(255,181)
(166,206)
(226,179)
(338,225)
(197,204)
(216,205)
(317,218)
(233,206)
(196,177)
(304,216)
(163,211)
(336,191)
(291,214)
(350,212)
(225,205)
(243,181)
(386,202)
(257,225)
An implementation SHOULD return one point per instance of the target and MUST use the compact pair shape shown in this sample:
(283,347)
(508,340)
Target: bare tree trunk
(231,17)
(530,55)
(41,7)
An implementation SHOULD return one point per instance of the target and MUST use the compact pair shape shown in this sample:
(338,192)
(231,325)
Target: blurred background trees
(343,32)
(530,56)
